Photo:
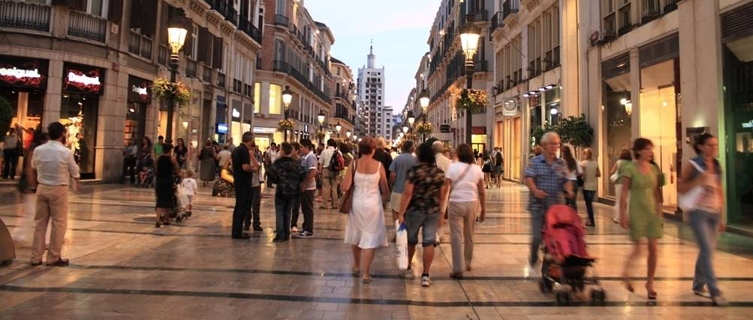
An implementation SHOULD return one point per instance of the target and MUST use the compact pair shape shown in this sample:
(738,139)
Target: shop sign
(236,113)
(510,108)
(265,130)
(23,73)
(478,130)
(83,79)
(748,125)
(222,128)
(139,90)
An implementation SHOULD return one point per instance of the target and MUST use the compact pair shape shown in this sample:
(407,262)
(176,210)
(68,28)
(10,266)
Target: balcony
(510,9)
(281,66)
(220,79)
(140,45)
(250,29)
(191,67)
(671,6)
(24,15)
(86,26)
(281,20)
(225,9)
(496,22)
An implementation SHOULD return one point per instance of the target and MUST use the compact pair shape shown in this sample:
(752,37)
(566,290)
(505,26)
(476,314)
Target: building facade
(371,97)
(344,102)
(91,65)
(294,56)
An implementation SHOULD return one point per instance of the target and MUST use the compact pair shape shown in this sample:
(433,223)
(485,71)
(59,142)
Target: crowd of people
(423,186)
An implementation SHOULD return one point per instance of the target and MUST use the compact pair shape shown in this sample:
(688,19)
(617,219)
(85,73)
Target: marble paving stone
(124,268)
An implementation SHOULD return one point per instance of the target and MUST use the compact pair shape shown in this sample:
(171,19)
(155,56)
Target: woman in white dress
(365,230)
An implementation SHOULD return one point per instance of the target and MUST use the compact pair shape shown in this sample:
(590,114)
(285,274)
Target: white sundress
(365,227)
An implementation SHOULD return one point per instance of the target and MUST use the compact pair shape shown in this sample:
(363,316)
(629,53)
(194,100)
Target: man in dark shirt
(386,159)
(288,175)
(242,174)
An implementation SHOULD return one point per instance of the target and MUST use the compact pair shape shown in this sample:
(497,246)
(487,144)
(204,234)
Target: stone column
(570,58)
(110,122)
(53,95)
(635,92)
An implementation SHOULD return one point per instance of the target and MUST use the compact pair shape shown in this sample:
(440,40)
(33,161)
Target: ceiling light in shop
(549,87)
(542,89)
(131,110)
(525,95)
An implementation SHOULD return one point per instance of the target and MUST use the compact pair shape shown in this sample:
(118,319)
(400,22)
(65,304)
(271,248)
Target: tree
(6,115)
(577,132)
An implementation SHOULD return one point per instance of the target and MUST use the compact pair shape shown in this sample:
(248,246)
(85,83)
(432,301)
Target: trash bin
(7,249)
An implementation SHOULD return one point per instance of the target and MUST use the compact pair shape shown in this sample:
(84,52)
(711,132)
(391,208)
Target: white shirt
(465,189)
(443,162)
(326,157)
(272,155)
(224,156)
(189,186)
(54,164)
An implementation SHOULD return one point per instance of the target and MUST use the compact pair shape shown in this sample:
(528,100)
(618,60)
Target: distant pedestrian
(591,175)
(443,163)
(547,178)
(330,178)
(575,171)
(181,152)
(288,175)
(399,175)
(165,169)
(158,147)
(308,189)
(207,162)
(615,175)
(642,180)
(706,218)
(55,169)
(189,187)
(130,153)
(467,200)
(11,144)
(255,212)
(242,176)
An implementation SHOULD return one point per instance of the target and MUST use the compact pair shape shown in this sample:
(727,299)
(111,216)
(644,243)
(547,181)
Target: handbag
(688,201)
(614,177)
(346,203)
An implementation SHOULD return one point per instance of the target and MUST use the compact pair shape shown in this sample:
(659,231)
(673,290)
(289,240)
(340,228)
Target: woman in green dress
(642,180)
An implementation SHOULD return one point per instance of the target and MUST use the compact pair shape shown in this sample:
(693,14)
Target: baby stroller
(178,212)
(565,257)
(146,175)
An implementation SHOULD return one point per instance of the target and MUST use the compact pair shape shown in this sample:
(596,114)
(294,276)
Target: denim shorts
(415,220)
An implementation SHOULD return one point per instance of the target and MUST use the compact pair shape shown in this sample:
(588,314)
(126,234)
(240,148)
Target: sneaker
(720,301)
(304,234)
(294,229)
(409,274)
(425,281)
(702,293)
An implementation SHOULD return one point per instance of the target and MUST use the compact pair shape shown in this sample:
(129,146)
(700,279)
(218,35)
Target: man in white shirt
(329,179)
(444,164)
(55,167)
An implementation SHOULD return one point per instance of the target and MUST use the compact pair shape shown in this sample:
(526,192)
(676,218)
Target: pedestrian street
(124,268)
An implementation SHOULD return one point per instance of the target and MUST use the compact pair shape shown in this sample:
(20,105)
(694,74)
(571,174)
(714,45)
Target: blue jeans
(283,208)
(588,195)
(705,226)
(537,225)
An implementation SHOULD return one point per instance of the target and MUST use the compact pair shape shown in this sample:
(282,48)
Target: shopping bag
(689,200)
(402,246)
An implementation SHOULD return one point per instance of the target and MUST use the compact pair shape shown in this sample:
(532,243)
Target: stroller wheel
(545,285)
(563,298)
(598,297)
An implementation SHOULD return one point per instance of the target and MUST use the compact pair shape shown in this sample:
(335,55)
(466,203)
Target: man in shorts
(398,173)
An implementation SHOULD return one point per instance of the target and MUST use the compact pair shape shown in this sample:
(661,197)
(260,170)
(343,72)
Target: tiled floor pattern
(122,267)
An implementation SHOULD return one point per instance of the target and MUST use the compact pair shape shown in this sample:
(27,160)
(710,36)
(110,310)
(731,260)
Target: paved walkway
(122,267)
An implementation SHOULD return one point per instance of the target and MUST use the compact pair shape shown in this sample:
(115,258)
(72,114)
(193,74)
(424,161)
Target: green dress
(644,221)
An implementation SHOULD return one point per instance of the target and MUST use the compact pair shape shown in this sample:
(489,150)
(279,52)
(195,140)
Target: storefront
(737,34)
(139,97)
(478,139)
(616,113)
(79,106)
(23,82)
(508,137)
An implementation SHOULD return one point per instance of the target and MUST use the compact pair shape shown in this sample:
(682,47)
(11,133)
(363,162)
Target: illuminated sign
(236,113)
(140,89)
(748,125)
(84,79)
(21,73)
(222,128)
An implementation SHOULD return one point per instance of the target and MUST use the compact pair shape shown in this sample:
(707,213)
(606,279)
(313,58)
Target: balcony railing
(281,20)
(496,22)
(191,66)
(86,26)
(250,29)
(281,66)
(509,8)
(140,45)
(24,15)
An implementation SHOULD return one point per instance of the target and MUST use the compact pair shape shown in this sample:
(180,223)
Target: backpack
(337,162)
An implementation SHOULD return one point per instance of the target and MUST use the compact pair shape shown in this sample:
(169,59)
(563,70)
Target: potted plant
(166,91)
(472,99)
(284,124)
(424,128)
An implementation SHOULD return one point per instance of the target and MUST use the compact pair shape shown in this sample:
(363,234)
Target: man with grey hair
(547,177)
(444,164)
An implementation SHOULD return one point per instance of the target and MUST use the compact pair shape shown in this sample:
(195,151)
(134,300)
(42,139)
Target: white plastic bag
(689,200)
(402,246)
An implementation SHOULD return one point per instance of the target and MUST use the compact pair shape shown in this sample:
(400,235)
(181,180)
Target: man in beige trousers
(55,168)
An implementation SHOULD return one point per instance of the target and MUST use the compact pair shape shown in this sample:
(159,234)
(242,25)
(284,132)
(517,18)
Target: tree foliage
(572,130)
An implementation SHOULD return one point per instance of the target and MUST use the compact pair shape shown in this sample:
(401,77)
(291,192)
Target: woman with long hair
(467,198)
(574,168)
(180,152)
(208,162)
(641,180)
(365,229)
(706,217)
(615,175)
(224,187)
(165,169)
(591,175)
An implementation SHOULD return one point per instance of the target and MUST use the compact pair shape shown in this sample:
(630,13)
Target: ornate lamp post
(320,117)
(338,127)
(347,134)
(176,36)
(287,98)
(469,41)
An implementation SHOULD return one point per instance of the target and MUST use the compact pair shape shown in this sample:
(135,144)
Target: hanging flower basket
(166,91)
(283,125)
(320,135)
(471,99)
(424,128)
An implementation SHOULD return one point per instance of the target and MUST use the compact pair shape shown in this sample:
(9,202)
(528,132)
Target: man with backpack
(331,163)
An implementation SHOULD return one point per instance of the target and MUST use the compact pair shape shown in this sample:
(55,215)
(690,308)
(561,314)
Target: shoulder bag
(346,203)
(689,200)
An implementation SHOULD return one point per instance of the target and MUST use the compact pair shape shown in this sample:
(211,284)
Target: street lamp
(347,134)
(411,118)
(469,41)
(355,137)
(176,36)
(287,98)
(320,117)
(338,127)
(405,129)
(423,99)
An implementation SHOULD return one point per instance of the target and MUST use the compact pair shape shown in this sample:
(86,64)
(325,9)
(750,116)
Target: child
(189,188)
(287,175)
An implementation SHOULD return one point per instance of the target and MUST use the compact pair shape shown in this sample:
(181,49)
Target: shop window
(257,98)
(275,99)
(78,113)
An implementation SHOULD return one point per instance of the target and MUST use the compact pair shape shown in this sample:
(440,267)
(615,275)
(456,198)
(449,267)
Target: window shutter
(137,19)
(204,45)
(164,17)
(217,57)
(188,44)
(115,11)
(149,12)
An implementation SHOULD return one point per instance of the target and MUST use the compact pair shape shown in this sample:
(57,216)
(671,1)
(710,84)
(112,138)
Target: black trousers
(11,161)
(255,208)
(307,206)
(242,206)
(129,169)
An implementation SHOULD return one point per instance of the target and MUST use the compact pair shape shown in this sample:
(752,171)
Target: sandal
(651,293)
(366,279)
(628,285)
